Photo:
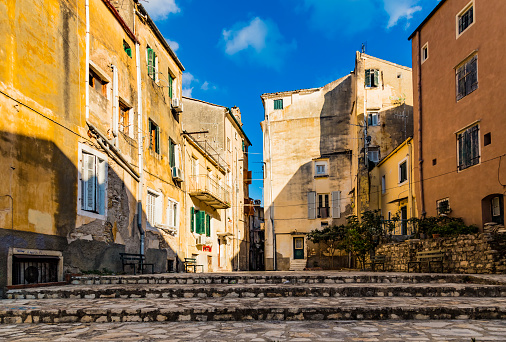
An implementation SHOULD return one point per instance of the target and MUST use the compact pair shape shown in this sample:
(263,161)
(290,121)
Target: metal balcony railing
(208,190)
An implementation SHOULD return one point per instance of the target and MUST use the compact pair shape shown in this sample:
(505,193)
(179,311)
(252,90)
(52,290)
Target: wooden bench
(435,256)
(134,260)
(378,260)
(192,262)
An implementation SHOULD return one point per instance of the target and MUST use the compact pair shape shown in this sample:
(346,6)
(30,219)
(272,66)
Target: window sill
(402,183)
(467,168)
(90,214)
(321,176)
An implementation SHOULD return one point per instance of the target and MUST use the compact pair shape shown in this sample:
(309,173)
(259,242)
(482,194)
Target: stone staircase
(297,265)
(260,296)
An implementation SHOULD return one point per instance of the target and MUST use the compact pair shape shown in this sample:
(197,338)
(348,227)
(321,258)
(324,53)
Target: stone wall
(476,253)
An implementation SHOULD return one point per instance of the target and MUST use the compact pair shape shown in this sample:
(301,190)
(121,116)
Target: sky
(233,51)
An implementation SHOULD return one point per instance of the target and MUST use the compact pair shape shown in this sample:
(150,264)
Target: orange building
(458,105)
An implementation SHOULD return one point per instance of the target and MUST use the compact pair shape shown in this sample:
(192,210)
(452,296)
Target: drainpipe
(115,104)
(420,149)
(87,66)
(271,211)
(140,191)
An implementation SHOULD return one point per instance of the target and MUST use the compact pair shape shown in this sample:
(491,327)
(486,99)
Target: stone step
(309,277)
(259,290)
(240,309)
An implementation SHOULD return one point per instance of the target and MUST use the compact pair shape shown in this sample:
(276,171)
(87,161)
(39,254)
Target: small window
(373,119)
(465,19)
(127,49)
(153,208)
(468,147)
(321,168)
(154,137)
(425,52)
(124,118)
(443,206)
(97,83)
(487,139)
(373,154)
(152,65)
(278,104)
(434,162)
(403,171)
(371,78)
(383,185)
(467,78)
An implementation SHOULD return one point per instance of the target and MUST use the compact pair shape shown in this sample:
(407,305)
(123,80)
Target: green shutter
(172,156)
(201,222)
(151,70)
(368,78)
(158,139)
(376,78)
(171,80)
(208,225)
(243,146)
(192,219)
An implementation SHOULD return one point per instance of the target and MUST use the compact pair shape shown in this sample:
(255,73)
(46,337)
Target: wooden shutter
(201,222)
(157,136)
(192,219)
(336,204)
(311,205)
(367,77)
(177,151)
(101,175)
(151,59)
(89,182)
(170,214)
(172,156)
(171,80)
(376,78)
(208,225)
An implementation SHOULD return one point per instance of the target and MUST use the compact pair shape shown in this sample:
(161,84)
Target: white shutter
(170,213)
(89,182)
(311,205)
(177,153)
(336,204)
(158,209)
(150,208)
(175,213)
(101,177)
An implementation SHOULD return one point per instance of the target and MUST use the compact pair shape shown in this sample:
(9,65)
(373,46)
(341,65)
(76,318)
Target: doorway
(298,248)
(404,220)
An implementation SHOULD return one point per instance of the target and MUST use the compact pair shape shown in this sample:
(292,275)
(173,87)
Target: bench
(435,256)
(378,260)
(192,262)
(134,260)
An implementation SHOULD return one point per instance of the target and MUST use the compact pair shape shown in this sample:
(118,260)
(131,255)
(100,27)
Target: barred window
(467,78)
(469,147)
(466,19)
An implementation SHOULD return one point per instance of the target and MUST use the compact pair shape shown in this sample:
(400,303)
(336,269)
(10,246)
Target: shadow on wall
(43,183)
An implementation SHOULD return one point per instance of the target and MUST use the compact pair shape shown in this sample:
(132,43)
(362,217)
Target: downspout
(87,66)
(115,105)
(271,211)
(420,149)
(140,191)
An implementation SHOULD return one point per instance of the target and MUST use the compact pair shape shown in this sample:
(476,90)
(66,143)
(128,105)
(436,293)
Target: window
(154,137)
(373,119)
(97,83)
(443,206)
(171,84)
(371,78)
(321,168)
(403,171)
(467,77)
(383,185)
(172,213)
(278,104)
(127,49)
(172,153)
(153,208)
(469,147)
(465,19)
(124,118)
(323,206)
(200,222)
(425,52)
(92,183)
(373,154)
(487,139)
(152,64)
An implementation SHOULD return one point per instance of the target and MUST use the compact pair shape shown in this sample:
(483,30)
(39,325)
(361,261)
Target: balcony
(209,191)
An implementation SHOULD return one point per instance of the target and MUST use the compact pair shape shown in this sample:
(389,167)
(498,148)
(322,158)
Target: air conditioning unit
(177,174)
(177,105)
(201,240)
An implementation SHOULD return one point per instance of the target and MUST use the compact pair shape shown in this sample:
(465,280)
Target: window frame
(464,65)
(173,209)
(469,6)
(102,212)
(156,148)
(158,208)
(400,180)
(152,63)
(383,184)
(370,116)
(422,54)
(438,212)
(478,144)
(319,163)
(124,108)
(127,48)
(278,104)
(324,199)
(372,81)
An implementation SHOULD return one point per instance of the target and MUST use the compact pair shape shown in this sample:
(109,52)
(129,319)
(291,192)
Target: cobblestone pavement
(328,331)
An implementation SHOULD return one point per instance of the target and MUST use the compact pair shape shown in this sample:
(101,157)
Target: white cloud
(173,45)
(205,86)
(187,92)
(160,9)
(258,41)
(398,9)
(188,78)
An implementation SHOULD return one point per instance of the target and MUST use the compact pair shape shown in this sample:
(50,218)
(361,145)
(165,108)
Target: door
(298,248)
(404,220)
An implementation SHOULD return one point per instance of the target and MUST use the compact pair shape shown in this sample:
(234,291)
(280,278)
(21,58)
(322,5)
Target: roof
(394,151)
(427,18)
(303,91)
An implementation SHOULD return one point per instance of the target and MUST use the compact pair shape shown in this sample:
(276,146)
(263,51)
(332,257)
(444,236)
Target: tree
(330,236)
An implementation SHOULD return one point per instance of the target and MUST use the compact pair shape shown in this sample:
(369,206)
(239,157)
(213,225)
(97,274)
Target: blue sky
(234,51)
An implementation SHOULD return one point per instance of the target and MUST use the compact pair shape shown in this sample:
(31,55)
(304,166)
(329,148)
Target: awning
(399,199)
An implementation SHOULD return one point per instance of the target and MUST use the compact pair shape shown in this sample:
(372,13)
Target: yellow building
(393,189)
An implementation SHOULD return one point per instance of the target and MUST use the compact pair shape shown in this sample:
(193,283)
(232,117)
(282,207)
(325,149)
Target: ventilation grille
(30,269)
